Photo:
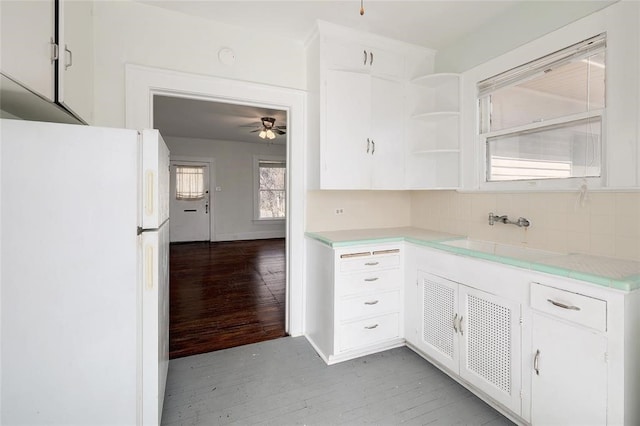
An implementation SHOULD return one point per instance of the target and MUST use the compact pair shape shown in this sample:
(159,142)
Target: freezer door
(155,180)
(154,325)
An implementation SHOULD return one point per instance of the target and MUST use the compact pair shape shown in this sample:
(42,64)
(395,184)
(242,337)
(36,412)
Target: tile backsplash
(603,224)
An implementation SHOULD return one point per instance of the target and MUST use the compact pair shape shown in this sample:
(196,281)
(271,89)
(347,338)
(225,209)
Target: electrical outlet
(339,211)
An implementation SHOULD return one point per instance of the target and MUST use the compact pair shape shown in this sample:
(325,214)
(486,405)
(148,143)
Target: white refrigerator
(84,286)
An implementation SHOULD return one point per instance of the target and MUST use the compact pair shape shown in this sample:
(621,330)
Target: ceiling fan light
(270,134)
(262,134)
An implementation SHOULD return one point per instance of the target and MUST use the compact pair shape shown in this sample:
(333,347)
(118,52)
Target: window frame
(256,188)
(546,183)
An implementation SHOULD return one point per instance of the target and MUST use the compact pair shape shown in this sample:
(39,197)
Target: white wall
(130,32)
(232,207)
(516,26)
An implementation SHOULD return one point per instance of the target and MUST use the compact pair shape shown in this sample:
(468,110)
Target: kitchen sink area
(502,250)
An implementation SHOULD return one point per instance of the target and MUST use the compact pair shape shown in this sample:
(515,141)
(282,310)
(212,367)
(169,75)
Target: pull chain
(361,7)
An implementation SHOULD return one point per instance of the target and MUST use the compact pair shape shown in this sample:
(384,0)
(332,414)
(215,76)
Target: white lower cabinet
(354,299)
(569,365)
(474,334)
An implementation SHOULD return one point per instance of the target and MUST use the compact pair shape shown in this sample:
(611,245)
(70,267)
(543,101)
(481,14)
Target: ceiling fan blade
(256,130)
(283,127)
(251,125)
(280,132)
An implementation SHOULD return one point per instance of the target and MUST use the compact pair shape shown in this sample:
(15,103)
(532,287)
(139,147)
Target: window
(189,182)
(271,189)
(544,119)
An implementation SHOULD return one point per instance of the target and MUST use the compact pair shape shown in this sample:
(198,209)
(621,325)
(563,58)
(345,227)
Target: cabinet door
(387,112)
(75,67)
(569,374)
(437,301)
(491,345)
(27,44)
(347,143)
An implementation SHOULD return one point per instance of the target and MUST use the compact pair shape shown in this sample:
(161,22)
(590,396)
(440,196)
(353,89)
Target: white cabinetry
(433,132)
(53,59)
(569,367)
(75,63)
(474,334)
(28,45)
(357,109)
(354,299)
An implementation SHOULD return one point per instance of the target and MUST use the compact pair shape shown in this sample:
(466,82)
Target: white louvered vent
(438,312)
(489,341)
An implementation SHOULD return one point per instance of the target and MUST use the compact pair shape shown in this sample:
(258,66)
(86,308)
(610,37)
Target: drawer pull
(460,325)
(371,263)
(373,302)
(386,251)
(563,306)
(369,280)
(455,323)
(371,327)
(361,254)
(536,363)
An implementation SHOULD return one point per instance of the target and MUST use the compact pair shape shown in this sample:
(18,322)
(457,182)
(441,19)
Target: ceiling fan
(268,129)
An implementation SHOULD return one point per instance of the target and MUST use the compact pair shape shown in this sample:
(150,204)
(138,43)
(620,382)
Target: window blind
(539,66)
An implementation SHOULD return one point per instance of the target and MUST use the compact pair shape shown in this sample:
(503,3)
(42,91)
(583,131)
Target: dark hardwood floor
(225,294)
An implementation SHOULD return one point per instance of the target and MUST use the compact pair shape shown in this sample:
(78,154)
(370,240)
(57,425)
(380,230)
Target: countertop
(608,272)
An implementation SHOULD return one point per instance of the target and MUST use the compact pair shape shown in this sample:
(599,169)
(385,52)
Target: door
(27,48)
(489,328)
(75,66)
(569,374)
(189,206)
(438,302)
(387,110)
(346,152)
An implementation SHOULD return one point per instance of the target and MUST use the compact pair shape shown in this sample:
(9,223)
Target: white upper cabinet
(75,66)
(35,45)
(357,109)
(29,50)
(359,57)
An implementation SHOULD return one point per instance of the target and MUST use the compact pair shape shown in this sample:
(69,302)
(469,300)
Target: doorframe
(212,187)
(142,83)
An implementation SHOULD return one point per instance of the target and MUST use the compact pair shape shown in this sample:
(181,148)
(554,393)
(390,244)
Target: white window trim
(620,120)
(256,189)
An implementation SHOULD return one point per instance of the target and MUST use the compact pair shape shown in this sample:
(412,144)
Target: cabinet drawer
(368,281)
(366,332)
(368,305)
(574,307)
(351,262)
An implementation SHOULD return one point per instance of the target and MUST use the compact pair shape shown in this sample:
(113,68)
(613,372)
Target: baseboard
(258,235)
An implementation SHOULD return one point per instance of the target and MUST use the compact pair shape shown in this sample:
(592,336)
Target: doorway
(143,83)
(227,287)
(190,201)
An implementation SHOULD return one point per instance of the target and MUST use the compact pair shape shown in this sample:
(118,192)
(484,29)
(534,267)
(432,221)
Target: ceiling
(426,23)
(429,23)
(199,119)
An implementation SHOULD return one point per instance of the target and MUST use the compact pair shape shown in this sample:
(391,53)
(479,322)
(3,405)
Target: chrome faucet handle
(523,222)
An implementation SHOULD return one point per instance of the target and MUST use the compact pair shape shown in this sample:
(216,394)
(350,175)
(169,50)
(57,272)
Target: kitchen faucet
(521,222)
